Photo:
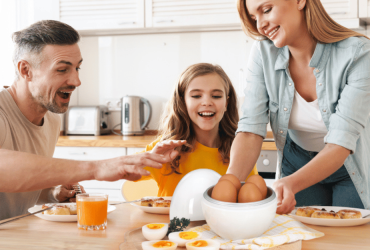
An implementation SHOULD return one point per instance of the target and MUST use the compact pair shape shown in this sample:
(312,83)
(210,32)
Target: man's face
(56,77)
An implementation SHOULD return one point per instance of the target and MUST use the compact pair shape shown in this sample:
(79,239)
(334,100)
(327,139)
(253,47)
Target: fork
(77,189)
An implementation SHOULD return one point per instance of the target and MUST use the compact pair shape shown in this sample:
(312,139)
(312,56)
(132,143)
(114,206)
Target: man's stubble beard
(51,106)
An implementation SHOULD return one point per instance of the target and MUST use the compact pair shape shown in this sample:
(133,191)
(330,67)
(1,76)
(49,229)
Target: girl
(202,111)
(313,76)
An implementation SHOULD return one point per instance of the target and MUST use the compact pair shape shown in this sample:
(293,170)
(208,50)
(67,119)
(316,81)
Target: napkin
(283,229)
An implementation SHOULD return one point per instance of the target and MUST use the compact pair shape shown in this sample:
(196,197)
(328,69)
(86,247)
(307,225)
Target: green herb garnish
(177,225)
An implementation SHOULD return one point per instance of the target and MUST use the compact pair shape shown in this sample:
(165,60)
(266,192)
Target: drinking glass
(92,211)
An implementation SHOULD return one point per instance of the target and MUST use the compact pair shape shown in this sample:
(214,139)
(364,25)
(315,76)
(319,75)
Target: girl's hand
(285,196)
(167,148)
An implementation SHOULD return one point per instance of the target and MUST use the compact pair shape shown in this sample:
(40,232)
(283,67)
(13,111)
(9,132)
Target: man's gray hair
(31,40)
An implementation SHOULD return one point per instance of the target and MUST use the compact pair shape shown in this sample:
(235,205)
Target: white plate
(333,222)
(153,210)
(64,218)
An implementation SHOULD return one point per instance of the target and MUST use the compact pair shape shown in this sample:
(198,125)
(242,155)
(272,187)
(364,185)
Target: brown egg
(260,183)
(224,190)
(233,179)
(249,192)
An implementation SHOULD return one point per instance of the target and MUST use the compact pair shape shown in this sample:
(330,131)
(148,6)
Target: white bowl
(236,221)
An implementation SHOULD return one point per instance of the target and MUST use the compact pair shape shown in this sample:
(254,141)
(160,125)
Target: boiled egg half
(182,237)
(203,245)
(154,231)
(161,244)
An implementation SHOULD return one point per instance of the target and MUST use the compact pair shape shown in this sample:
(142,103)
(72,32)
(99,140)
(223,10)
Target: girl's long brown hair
(320,25)
(176,123)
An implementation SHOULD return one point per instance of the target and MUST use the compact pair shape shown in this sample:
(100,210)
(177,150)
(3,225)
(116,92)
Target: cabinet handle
(125,23)
(164,21)
(337,13)
(77,153)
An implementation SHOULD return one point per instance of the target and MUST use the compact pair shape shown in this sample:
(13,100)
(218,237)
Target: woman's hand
(167,148)
(285,196)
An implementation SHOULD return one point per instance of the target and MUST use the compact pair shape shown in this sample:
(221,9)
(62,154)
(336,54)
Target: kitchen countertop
(122,141)
(34,233)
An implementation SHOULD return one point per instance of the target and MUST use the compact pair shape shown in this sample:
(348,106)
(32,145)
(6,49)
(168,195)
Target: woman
(313,77)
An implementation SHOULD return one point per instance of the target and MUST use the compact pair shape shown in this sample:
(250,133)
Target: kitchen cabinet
(175,13)
(102,14)
(131,151)
(113,189)
(340,9)
(88,15)
(364,10)
(108,17)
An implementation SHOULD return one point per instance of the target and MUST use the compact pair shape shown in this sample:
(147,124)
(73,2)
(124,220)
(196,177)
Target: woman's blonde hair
(319,24)
(176,123)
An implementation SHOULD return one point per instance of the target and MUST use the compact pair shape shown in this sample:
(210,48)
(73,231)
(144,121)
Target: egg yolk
(188,235)
(199,243)
(155,226)
(163,244)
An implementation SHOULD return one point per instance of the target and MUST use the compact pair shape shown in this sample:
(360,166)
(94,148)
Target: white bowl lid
(186,200)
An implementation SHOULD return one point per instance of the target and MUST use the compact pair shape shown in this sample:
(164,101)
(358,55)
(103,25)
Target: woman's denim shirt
(342,72)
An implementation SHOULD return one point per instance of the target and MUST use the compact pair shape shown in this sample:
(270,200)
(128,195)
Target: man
(47,59)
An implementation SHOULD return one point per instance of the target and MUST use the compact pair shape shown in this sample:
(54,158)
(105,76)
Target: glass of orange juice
(92,211)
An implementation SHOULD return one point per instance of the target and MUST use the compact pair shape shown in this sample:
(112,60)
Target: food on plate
(154,231)
(259,182)
(149,201)
(162,244)
(233,179)
(162,203)
(225,191)
(249,192)
(203,245)
(60,209)
(182,237)
(348,214)
(323,214)
(306,211)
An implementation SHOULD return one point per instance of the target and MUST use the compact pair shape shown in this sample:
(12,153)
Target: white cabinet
(131,151)
(102,14)
(113,189)
(107,17)
(176,13)
(339,9)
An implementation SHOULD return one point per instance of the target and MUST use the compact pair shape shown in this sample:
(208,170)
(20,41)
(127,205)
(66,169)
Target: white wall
(149,65)
(7,27)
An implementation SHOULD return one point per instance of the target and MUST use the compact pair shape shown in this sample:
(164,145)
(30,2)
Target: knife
(125,202)
(20,217)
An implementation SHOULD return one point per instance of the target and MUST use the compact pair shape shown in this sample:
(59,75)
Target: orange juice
(92,212)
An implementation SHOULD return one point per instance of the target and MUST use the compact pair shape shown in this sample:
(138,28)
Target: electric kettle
(132,115)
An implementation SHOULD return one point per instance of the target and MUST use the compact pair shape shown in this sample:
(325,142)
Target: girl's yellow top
(200,157)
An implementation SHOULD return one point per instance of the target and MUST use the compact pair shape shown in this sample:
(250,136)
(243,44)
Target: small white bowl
(236,221)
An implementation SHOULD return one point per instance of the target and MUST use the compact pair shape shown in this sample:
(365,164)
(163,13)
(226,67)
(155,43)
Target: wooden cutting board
(134,238)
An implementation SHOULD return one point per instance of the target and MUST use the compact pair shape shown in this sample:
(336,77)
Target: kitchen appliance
(192,200)
(132,116)
(87,120)
(234,221)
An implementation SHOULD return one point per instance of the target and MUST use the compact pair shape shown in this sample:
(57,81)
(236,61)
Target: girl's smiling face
(281,21)
(206,102)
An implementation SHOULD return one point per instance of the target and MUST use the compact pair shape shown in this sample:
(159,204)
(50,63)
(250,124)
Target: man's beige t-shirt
(19,134)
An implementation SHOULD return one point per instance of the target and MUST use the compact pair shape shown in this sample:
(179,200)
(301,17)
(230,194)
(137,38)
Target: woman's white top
(306,126)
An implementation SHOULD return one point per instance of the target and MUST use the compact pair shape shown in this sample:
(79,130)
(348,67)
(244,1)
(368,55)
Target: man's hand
(285,196)
(66,193)
(131,167)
